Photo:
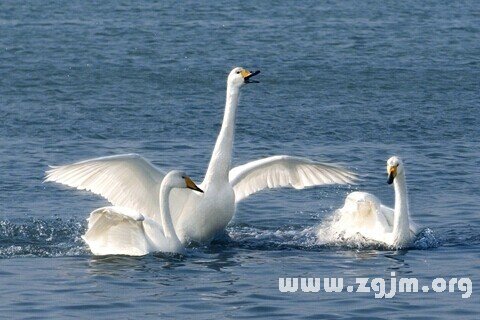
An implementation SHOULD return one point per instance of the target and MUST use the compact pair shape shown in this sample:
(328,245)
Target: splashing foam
(266,239)
(42,238)
(331,233)
(58,238)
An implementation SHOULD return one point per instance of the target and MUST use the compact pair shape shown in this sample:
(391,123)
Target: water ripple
(58,237)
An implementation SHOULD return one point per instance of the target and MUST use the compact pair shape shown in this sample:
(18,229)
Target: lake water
(352,82)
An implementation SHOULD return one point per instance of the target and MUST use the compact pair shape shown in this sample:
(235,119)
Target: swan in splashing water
(132,182)
(364,214)
(119,230)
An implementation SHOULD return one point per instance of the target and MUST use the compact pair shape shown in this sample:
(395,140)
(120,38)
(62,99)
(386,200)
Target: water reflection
(115,265)
(218,258)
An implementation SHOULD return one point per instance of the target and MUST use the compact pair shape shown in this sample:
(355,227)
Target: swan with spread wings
(130,181)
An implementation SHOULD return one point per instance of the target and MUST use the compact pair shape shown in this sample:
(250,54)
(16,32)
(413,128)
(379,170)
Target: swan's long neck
(220,162)
(401,224)
(166,218)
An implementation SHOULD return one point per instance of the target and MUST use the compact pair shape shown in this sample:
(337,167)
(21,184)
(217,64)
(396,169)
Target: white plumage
(132,182)
(111,230)
(121,230)
(284,171)
(128,180)
(364,214)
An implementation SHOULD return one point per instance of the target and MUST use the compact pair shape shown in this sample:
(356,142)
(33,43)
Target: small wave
(426,240)
(312,238)
(59,237)
(42,238)
(267,239)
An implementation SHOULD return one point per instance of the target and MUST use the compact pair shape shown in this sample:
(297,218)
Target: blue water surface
(350,82)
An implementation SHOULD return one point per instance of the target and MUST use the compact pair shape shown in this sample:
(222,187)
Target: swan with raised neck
(221,160)
(364,214)
(170,241)
(401,235)
(133,182)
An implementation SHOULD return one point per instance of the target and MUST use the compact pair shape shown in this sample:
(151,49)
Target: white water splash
(328,234)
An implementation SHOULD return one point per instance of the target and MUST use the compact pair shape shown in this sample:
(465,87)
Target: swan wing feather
(285,171)
(124,180)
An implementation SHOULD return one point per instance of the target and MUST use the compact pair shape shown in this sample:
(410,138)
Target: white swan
(133,182)
(364,214)
(120,230)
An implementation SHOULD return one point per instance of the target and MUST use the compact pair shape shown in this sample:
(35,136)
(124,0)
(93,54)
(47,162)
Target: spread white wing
(125,180)
(285,171)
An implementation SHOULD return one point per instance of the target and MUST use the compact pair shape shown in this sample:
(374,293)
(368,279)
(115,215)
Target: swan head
(178,179)
(394,168)
(240,76)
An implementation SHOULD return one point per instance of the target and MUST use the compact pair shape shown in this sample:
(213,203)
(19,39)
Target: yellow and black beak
(392,173)
(247,75)
(191,185)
